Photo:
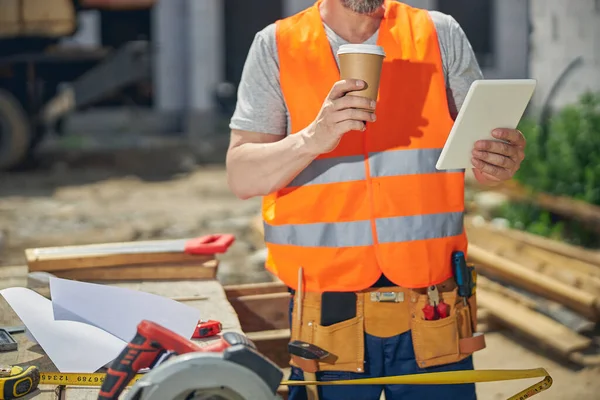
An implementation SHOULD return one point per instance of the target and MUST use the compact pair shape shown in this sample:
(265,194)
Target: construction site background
(117,184)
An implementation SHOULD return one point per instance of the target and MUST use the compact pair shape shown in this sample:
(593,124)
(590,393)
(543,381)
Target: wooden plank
(491,286)
(273,345)
(523,246)
(582,302)
(64,261)
(160,272)
(538,327)
(249,289)
(554,246)
(262,312)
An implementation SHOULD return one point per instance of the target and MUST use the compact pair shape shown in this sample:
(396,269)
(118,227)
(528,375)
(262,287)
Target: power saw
(230,369)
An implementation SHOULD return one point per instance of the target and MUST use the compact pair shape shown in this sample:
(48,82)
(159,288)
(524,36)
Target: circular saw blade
(200,376)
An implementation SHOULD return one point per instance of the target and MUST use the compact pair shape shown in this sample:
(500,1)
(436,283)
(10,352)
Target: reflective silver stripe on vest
(405,162)
(419,227)
(352,168)
(345,234)
(331,170)
(336,234)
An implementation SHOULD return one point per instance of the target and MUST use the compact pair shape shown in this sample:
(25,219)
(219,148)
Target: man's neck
(350,26)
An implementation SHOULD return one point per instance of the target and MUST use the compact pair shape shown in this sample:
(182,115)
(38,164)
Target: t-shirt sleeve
(260,105)
(460,63)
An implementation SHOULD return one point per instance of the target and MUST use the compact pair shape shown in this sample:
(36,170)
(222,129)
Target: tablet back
(489,104)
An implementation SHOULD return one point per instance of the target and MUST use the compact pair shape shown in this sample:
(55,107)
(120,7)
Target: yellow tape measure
(19,375)
(16,382)
(451,377)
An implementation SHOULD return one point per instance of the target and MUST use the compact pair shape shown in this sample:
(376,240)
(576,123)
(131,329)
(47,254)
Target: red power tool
(150,343)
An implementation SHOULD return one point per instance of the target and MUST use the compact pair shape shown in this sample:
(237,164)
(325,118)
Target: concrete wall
(564,31)
(188,63)
(170,46)
(511,40)
(291,7)
(88,32)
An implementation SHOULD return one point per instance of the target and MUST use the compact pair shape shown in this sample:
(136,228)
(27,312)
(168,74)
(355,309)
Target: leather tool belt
(387,312)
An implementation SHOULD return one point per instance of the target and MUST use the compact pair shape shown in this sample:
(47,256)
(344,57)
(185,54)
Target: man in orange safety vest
(353,206)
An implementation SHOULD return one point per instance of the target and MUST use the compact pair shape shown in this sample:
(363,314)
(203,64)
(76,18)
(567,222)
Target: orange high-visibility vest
(376,203)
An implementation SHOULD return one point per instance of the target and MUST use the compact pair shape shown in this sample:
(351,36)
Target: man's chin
(363,7)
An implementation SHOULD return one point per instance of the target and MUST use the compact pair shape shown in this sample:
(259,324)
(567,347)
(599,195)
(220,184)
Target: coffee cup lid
(361,49)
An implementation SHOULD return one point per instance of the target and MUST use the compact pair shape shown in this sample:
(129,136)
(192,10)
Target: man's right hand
(339,115)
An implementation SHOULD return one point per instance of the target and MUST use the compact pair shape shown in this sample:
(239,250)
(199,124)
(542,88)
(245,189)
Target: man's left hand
(495,162)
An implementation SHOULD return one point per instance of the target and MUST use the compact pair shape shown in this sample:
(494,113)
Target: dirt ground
(155,194)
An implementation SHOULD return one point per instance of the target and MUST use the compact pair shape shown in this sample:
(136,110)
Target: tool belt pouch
(446,340)
(343,340)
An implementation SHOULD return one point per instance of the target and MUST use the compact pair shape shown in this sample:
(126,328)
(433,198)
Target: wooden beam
(262,312)
(534,325)
(273,345)
(556,247)
(250,289)
(582,302)
(547,252)
(152,272)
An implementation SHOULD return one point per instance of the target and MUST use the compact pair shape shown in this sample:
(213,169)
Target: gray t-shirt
(260,104)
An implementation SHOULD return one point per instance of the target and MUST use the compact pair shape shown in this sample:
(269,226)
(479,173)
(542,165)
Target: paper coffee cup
(362,61)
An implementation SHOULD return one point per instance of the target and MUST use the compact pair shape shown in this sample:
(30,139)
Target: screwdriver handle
(140,353)
(462,274)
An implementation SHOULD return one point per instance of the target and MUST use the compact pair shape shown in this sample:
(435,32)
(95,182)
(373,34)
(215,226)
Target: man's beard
(363,6)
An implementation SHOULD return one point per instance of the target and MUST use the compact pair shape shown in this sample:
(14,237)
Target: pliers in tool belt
(435,309)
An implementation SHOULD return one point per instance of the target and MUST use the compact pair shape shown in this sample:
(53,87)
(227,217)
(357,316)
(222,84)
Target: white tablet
(489,104)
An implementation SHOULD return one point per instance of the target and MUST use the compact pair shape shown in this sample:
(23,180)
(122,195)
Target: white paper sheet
(86,325)
(72,346)
(118,310)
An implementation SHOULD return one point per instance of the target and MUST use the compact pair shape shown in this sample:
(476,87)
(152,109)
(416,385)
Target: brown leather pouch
(386,311)
(443,341)
(344,341)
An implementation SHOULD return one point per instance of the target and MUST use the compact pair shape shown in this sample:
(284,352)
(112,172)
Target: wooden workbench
(215,306)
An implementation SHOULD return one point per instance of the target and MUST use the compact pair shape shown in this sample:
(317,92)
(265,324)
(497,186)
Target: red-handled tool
(430,311)
(207,329)
(443,309)
(209,244)
(436,309)
(147,347)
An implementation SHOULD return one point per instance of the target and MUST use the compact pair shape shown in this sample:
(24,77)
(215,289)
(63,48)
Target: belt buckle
(387,297)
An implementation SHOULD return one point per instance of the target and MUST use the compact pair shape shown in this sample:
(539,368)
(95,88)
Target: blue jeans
(387,357)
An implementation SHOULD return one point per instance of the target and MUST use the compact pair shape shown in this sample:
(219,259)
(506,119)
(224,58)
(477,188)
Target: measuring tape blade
(77,379)
(450,377)
(432,378)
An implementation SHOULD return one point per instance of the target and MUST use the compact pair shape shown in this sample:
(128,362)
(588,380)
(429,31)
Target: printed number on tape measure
(70,379)
(95,379)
